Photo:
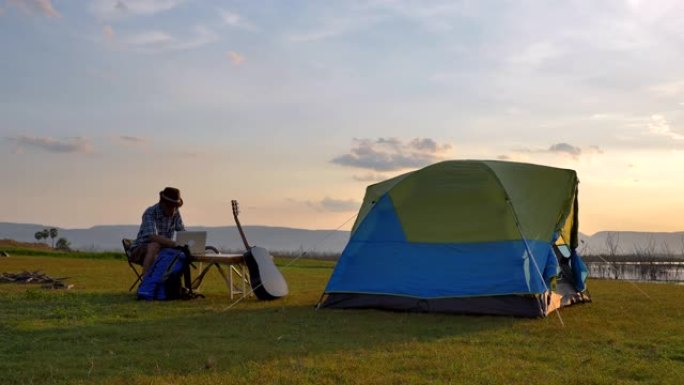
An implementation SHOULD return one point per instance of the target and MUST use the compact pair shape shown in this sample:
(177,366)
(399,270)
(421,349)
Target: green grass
(98,333)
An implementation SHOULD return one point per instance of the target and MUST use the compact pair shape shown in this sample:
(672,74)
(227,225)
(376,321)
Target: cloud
(132,139)
(564,148)
(659,125)
(537,54)
(44,7)
(160,41)
(391,154)
(335,27)
(370,177)
(135,143)
(435,16)
(317,35)
(594,150)
(235,57)
(150,39)
(669,89)
(109,33)
(643,130)
(112,9)
(69,145)
(335,205)
(610,117)
(236,20)
(340,205)
(121,6)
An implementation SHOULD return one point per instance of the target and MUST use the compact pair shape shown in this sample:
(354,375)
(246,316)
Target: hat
(171,195)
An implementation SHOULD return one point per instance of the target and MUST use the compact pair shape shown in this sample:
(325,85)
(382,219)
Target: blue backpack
(163,280)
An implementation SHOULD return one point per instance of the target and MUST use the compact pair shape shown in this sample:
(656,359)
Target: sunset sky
(293,107)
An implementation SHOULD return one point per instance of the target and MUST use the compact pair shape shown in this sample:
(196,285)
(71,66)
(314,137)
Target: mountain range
(108,237)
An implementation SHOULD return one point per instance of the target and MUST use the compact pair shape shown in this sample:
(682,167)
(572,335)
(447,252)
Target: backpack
(163,280)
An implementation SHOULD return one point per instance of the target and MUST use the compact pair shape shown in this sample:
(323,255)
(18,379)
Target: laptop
(195,240)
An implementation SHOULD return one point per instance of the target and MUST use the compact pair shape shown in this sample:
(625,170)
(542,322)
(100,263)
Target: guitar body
(266,280)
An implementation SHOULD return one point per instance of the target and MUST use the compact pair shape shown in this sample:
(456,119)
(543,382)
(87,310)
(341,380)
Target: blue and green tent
(467,236)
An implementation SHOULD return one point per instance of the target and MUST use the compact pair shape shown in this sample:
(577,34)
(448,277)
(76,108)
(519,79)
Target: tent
(466,236)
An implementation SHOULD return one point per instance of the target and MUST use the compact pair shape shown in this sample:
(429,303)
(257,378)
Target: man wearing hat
(159,224)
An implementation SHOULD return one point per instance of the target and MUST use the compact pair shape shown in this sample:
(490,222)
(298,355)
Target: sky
(294,107)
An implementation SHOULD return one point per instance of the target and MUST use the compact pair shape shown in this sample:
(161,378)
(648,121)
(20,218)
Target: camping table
(236,277)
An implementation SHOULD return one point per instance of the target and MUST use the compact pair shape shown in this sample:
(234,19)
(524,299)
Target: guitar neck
(239,226)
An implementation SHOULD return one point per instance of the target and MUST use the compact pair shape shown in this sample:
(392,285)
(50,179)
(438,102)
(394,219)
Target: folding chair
(127,249)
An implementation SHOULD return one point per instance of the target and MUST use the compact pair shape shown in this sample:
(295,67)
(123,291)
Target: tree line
(52,233)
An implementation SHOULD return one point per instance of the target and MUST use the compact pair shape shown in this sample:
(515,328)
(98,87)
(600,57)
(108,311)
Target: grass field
(98,333)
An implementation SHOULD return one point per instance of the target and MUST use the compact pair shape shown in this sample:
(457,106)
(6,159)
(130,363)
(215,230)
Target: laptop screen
(195,240)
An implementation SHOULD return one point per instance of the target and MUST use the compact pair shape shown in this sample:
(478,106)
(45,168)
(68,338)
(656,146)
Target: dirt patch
(7,243)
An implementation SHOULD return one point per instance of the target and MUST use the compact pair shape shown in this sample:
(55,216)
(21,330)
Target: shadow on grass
(87,336)
(310,265)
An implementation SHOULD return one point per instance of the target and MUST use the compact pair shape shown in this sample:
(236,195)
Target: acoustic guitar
(265,278)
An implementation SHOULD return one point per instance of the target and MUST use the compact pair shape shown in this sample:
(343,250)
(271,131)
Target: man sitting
(159,225)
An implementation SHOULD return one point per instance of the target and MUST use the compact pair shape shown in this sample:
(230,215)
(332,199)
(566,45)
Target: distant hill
(327,241)
(629,242)
(225,238)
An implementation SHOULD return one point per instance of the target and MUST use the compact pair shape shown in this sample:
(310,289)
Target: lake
(638,271)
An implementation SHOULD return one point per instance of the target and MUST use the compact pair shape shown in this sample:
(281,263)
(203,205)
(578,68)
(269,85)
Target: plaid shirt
(154,222)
